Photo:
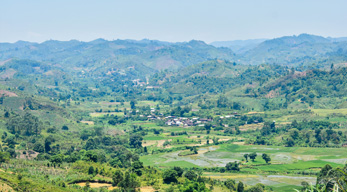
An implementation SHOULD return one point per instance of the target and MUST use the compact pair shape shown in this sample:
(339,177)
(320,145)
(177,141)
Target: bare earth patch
(8,73)
(88,122)
(147,189)
(115,132)
(239,143)
(251,127)
(253,112)
(28,154)
(7,93)
(272,94)
(4,62)
(109,186)
(159,143)
(94,185)
(5,188)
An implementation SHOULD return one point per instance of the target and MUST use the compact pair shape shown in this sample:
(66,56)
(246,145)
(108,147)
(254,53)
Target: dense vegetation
(147,115)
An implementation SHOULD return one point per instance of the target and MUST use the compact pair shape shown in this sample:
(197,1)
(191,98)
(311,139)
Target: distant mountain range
(239,46)
(145,57)
(295,50)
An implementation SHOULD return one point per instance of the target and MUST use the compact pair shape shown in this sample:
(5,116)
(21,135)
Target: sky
(174,20)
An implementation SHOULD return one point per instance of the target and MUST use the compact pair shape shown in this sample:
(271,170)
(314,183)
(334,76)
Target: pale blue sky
(175,20)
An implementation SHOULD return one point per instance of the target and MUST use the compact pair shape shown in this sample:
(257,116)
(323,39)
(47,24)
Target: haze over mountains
(239,46)
(148,56)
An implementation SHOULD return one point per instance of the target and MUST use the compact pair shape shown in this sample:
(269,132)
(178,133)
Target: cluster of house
(138,82)
(186,122)
(233,115)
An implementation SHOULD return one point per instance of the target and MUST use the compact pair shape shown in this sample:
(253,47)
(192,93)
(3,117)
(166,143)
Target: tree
(91,170)
(257,188)
(7,114)
(194,149)
(135,141)
(4,157)
(170,176)
(253,156)
(38,147)
(136,167)
(326,175)
(191,175)
(57,159)
(266,157)
(232,166)
(179,171)
(117,177)
(48,141)
(129,183)
(290,142)
(222,102)
(246,157)
(98,130)
(208,126)
(240,187)
(230,184)
(132,104)
(64,127)
(90,156)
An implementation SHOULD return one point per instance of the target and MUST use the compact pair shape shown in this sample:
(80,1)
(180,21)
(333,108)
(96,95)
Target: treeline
(302,134)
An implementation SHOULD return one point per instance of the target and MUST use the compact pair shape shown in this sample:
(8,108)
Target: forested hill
(216,76)
(313,88)
(239,46)
(146,57)
(296,50)
(118,54)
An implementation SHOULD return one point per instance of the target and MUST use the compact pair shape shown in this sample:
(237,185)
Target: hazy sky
(174,20)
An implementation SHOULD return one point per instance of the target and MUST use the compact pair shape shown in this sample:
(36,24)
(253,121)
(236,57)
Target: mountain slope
(119,54)
(239,46)
(293,50)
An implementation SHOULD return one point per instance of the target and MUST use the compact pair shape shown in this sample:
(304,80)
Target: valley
(147,115)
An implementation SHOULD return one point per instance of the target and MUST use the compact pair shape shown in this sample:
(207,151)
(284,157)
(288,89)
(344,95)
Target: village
(185,121)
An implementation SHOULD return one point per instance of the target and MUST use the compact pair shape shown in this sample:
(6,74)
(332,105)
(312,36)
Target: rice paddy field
(282,173)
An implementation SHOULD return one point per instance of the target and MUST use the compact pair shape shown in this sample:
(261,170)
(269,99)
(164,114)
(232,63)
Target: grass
(186,153)
(148,159)
(299,166)
(326,112)
(105,113)
(153,137)
(255,148)
(183,164)
(285,188)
